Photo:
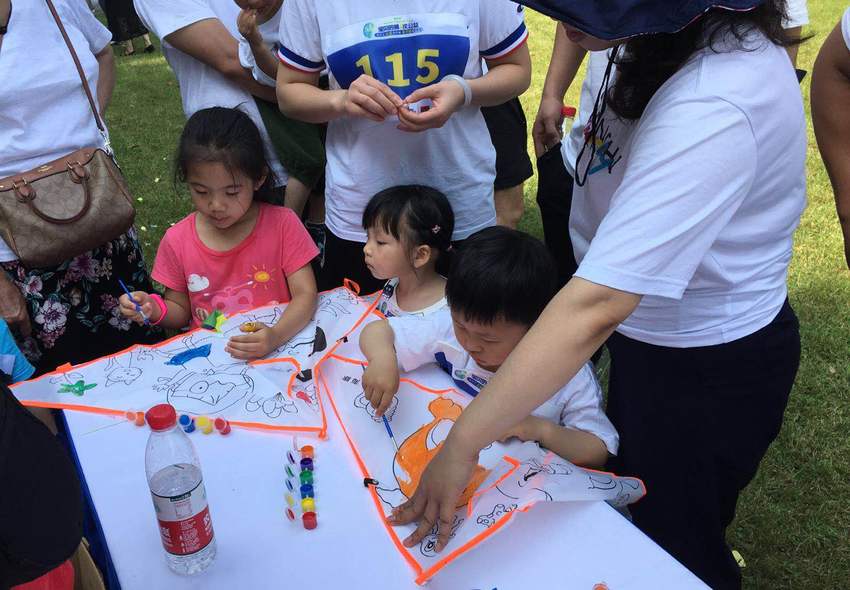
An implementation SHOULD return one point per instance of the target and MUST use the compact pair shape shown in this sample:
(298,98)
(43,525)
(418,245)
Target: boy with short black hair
(499,284)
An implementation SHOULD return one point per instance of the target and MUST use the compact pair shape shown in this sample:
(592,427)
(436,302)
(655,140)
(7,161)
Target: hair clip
(436,229)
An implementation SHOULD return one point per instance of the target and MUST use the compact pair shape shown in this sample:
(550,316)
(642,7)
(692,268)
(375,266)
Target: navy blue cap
(620,19)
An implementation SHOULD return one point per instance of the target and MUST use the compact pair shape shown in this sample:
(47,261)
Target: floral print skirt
(74,309)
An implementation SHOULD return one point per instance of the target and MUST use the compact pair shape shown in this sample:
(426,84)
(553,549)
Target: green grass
(793,521)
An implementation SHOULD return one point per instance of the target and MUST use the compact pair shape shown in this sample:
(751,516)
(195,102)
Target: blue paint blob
(193,353)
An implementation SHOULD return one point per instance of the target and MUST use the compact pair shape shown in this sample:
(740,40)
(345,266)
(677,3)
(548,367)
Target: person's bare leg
(297,194)
(509,206)
(148,43)
(794,33)
(128,47)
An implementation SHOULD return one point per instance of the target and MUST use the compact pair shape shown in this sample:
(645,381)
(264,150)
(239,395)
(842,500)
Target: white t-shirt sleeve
(845,28)
(502,28)
(417,339)
(247,61)
(581,408)
(682,184)
(300,45)
(798,14)
(164,17)
(97,35)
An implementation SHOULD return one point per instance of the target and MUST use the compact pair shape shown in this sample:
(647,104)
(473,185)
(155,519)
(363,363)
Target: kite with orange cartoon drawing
(509,479)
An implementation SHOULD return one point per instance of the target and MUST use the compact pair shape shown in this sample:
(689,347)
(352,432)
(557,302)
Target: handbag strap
(79,67)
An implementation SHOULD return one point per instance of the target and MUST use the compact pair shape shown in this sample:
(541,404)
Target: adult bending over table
(68,312)
(689,188)
(384,59)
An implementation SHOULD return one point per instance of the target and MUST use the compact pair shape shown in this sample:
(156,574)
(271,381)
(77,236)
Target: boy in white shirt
(499,284)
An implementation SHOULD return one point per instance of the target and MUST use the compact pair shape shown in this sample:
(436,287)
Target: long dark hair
(646,62)
(417,216)
(230,137)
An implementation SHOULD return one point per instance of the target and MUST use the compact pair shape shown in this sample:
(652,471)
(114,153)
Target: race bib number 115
(405,52)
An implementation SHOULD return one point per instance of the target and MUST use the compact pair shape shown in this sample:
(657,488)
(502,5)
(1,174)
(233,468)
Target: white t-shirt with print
(597,63)
(269,31)
(845,28)
(388,305)
(694,206)
(406,44)
(201,86)
(578,405)
(44,112)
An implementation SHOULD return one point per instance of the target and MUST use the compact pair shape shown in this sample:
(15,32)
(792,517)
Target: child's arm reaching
(177,313)
(264,58)
(576,446)
(381,379)
(299,312)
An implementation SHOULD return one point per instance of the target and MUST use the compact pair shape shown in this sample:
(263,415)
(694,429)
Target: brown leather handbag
(68,206)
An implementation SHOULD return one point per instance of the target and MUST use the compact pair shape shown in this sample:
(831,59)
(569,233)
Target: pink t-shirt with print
(250,275)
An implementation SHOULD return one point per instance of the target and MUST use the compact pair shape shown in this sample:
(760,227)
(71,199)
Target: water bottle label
(184,521)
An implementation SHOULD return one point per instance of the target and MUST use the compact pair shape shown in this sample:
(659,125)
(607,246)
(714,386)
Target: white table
(553,546)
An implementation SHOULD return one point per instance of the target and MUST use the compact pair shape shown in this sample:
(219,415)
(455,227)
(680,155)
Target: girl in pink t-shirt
(235,251)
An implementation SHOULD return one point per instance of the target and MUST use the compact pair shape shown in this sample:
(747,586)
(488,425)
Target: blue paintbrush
(389,430)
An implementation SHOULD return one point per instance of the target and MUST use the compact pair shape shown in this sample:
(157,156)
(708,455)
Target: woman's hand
(254,345)
(368,98)
(434,501)
(13,307)
(380,383)
(547,129)
(446,98)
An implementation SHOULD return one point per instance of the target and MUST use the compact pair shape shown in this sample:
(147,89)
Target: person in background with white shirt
(831,117)
(199,43)
(797,16)
(66,313)
(406,84)
(689,187)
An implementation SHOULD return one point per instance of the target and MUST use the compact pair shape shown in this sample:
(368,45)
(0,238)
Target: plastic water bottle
(178,493)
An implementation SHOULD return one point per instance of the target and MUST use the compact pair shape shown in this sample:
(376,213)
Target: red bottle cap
(309,520)
(161,417)
(569,112)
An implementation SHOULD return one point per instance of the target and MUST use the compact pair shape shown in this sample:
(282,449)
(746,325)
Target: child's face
(488,344)
(386,257)
(222,196)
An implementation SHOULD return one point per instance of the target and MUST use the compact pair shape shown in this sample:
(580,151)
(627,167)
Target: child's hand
(380,383)
(130,310)
(246,22)
(530,429)
(254,345)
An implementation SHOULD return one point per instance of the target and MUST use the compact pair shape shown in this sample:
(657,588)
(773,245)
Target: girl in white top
(690,184)
(409,231)
(386,62)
